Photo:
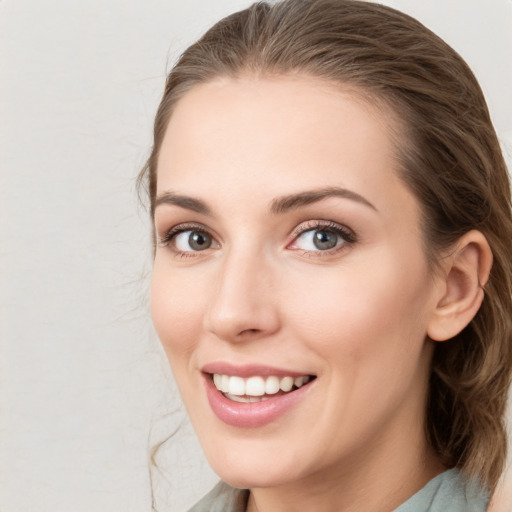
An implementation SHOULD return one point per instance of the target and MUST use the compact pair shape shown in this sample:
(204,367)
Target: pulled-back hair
(449,157)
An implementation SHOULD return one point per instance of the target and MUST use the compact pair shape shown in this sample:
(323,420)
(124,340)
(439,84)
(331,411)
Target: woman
(332,277)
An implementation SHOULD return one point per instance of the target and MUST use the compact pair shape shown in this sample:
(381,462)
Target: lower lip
(255,414)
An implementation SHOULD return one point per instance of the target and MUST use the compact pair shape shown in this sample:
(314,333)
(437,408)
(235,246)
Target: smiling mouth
(257,389)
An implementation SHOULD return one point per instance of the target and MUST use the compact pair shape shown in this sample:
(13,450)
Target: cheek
(366,324)
(362,312)
(176,310)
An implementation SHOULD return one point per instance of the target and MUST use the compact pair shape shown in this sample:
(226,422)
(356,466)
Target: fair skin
(296,249)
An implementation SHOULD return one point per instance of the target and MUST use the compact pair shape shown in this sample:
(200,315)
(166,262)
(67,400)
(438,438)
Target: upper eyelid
(169,234)
(185,226)
(319,224)
(302,226)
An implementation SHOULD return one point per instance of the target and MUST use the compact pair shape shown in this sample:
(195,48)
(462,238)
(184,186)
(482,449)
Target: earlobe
(467,270)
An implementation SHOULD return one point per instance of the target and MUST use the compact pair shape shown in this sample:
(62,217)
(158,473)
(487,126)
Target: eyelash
(169,236)
(347,235)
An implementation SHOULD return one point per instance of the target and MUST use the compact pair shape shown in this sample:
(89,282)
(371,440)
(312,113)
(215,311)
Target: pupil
(325,240)
(199,241)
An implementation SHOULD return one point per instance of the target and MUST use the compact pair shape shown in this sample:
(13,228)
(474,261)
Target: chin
(261,469)
(246,478)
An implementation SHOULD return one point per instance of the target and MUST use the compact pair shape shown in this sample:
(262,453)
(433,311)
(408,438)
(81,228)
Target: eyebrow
(277,206)
(294,201)
(187,202)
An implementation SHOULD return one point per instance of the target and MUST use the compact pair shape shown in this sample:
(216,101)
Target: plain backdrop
(85,391)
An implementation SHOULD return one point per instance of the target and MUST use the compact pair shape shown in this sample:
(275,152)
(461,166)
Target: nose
(243,304)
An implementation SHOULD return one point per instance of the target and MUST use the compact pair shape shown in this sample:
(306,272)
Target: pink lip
(223,368)
(251,415)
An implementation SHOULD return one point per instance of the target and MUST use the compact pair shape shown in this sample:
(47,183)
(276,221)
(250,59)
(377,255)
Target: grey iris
(199,241)
(324,240)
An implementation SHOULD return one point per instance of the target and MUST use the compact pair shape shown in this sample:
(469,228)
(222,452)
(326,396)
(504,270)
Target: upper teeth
(256,386)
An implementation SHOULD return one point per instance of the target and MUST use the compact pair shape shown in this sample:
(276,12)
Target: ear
(465,272)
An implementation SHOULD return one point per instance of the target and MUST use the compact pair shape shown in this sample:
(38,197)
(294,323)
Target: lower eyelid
(318,252)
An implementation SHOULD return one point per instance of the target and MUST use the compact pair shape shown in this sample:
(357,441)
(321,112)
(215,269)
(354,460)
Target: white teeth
(246,399)
(255,387)
(236,386)
(224,383)
(286,383)
(299,381)
(271,385)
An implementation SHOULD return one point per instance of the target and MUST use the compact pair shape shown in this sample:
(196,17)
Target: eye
(318,240)
(186,239)
(192,241)
(322,237)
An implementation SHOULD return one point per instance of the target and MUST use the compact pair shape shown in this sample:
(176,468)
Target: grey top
(447,492)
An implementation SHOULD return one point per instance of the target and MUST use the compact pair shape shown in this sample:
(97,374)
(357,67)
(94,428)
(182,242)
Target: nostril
(248,332)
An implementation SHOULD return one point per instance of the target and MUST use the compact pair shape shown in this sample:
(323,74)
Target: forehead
(278,115)
(277,135)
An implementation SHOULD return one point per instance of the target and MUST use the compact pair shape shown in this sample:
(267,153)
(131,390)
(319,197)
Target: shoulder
(450,490)
(223,498)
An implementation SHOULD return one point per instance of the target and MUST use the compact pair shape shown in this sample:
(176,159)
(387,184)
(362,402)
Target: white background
(84,387)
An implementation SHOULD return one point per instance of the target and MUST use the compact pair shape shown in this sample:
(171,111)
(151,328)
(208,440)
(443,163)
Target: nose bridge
(242,304)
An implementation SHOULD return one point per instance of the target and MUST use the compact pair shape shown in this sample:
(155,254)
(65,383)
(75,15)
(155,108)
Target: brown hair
(449,157)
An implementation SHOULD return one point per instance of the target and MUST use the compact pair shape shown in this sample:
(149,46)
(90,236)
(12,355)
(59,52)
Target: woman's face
(290,255)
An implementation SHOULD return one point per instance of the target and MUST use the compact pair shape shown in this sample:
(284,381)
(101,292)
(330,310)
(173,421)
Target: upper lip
(249,370)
